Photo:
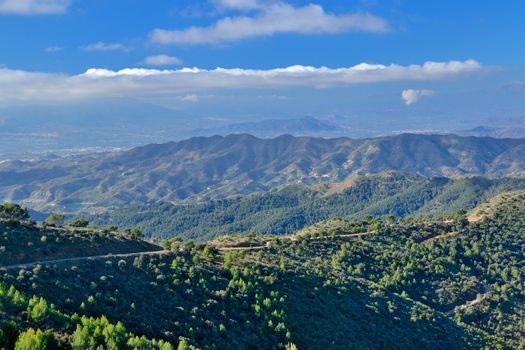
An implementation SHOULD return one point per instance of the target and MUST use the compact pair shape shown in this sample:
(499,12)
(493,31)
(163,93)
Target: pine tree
(33,340)
(183,345)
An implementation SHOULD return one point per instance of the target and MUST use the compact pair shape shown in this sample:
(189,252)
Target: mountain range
(486,131)
(204,168)
(304,126)
(82,128)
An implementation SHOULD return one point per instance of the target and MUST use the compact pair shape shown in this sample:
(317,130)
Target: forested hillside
(217,167)
(24,241)
(290,209)
(342,284)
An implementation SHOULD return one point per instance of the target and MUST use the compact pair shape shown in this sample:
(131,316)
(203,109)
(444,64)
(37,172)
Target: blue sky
(46,46)
(419,31)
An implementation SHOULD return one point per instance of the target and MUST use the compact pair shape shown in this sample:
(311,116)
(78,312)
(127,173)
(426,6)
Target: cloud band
(22,86)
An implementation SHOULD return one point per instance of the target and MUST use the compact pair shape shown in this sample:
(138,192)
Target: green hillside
(23,241)
(342,284)
(292,208)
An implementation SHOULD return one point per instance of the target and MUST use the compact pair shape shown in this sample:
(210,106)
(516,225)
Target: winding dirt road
(157,252)
(479,298)
(83,258)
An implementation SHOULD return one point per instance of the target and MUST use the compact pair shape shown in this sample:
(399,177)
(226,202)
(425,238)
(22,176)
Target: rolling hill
(292,208)
(217,167)
(341,284)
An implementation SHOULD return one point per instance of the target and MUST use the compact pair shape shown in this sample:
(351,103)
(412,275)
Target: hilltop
(507,200)
(205,168)
(23,241)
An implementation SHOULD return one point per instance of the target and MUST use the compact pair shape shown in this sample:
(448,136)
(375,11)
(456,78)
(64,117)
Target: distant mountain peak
(504,132)
(301,126)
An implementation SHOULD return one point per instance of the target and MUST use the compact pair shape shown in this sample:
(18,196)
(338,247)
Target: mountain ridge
(268,128)
(204,168)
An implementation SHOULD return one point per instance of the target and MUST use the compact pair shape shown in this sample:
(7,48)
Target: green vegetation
(19,312)
(79,223)
(13,212)
(23,242)
(35,340)
(293,208)
(371,283)
(56,219)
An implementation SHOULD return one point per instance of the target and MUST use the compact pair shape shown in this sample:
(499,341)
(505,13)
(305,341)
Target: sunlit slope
(216,167)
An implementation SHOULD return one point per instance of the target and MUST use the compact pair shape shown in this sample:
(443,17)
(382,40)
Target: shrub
(11,211)
(79,223)
(54,220)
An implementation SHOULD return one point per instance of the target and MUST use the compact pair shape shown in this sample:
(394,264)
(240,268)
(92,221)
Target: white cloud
(273,97)
(238,4)
(189,98)
(53,49)
(162,60)
(269,19)
(22,86)
(411,96)
(34,7)
(101,46)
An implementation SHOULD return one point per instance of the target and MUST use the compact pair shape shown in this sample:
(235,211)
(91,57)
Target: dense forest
(367,283)
(292,208)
